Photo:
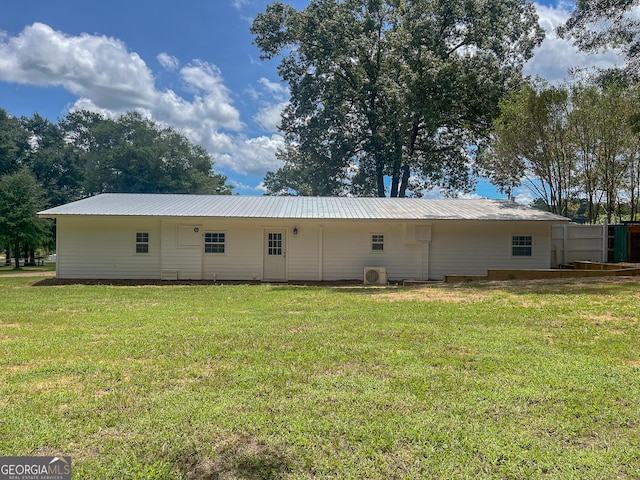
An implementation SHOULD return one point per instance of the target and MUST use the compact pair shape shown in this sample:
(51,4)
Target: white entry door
(275,255)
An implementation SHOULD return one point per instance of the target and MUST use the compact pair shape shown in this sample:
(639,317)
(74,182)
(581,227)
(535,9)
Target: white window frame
(142,238)
(377,239)
(512,245)
(218,243)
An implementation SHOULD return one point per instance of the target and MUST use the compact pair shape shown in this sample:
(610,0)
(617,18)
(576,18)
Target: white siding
(104,248)
(182,249)
(347,250)
(242,258)
(473,247)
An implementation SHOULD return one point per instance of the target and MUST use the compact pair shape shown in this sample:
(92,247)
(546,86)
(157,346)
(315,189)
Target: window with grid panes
(214,242)
(522,246)
(377,243)
(142,242)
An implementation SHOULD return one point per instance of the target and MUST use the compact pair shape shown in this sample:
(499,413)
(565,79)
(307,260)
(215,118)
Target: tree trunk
(17,255)
(7,260)
(395,180)
(380,180)
(406,173)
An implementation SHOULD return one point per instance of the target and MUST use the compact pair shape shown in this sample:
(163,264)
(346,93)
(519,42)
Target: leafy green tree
(533,143)
(596,24)
(14,142)
(603,107)
(391,96)
(54,162)
(573,144)
(20,199)
(135,155)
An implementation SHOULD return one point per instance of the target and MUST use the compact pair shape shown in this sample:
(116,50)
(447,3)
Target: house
(208,237)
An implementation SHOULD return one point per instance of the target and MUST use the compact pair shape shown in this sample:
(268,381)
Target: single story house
(279,239)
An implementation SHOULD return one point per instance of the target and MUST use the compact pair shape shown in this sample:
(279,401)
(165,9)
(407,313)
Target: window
(377,243)
(275,244)
(214,242)
(522,246)
(142,242)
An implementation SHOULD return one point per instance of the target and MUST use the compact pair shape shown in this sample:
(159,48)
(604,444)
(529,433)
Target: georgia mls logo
(35,468)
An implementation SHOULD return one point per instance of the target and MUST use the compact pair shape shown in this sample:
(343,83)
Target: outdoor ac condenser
(375,276)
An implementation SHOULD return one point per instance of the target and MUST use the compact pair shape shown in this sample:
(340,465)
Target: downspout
(605,241)
(320,254)
(565,241)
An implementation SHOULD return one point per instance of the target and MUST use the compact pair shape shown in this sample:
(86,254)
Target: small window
(142,242)
(275,244)
(214,242)
(522,246)
(377,243)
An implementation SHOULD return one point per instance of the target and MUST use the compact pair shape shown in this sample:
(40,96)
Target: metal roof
(346,208)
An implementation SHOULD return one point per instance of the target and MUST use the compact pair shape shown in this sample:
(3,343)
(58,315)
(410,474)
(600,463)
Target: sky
(191,65)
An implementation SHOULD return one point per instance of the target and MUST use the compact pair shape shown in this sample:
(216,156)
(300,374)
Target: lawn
(514,380)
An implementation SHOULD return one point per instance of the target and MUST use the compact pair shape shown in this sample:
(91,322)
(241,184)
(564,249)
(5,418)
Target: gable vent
(375,276)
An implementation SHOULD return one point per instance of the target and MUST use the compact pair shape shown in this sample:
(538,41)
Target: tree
(13,143)
(596,24)
(54,162)
(573,144)
(391,96)
(532,141)
(135,155)
(20,199)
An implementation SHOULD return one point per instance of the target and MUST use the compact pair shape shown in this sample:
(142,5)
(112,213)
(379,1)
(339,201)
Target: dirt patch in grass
(432,294)
(242,456)
(472,293)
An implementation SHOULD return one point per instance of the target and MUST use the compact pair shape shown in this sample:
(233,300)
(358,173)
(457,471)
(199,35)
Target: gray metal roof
(169,205)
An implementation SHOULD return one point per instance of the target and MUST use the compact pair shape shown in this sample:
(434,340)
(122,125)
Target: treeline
(576,145)
(44,164)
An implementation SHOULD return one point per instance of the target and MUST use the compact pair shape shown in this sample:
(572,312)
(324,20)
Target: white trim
(136,242)
(383,243)
(224,244)
(511,245)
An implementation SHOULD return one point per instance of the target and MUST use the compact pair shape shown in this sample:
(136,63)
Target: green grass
(10,269)
(169,382)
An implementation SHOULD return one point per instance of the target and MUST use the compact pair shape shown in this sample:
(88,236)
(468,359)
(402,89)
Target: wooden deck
(578,270)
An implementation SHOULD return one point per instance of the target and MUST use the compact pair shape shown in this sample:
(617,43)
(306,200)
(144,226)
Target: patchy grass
(10,269)
(504,380)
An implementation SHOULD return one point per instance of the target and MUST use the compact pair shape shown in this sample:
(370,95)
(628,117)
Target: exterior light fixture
(295,230)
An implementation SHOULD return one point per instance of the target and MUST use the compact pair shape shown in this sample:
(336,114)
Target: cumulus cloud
(273,99)
(268,117)
(554,58)
(251,156)
(109,79)
(97,67)
(104,74)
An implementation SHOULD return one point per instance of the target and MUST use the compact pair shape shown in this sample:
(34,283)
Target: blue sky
(188,64)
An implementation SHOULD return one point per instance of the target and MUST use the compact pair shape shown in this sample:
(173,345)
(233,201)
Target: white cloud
(554,58)
(273,97)
(268,117)
(250,156)
(97,67)
(111,80)
(524,196)
(260,188)
(239,4)
(167,61)
(278,89)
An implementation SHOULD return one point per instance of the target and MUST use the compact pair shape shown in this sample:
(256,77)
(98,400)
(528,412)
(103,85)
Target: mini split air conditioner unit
(375,276)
